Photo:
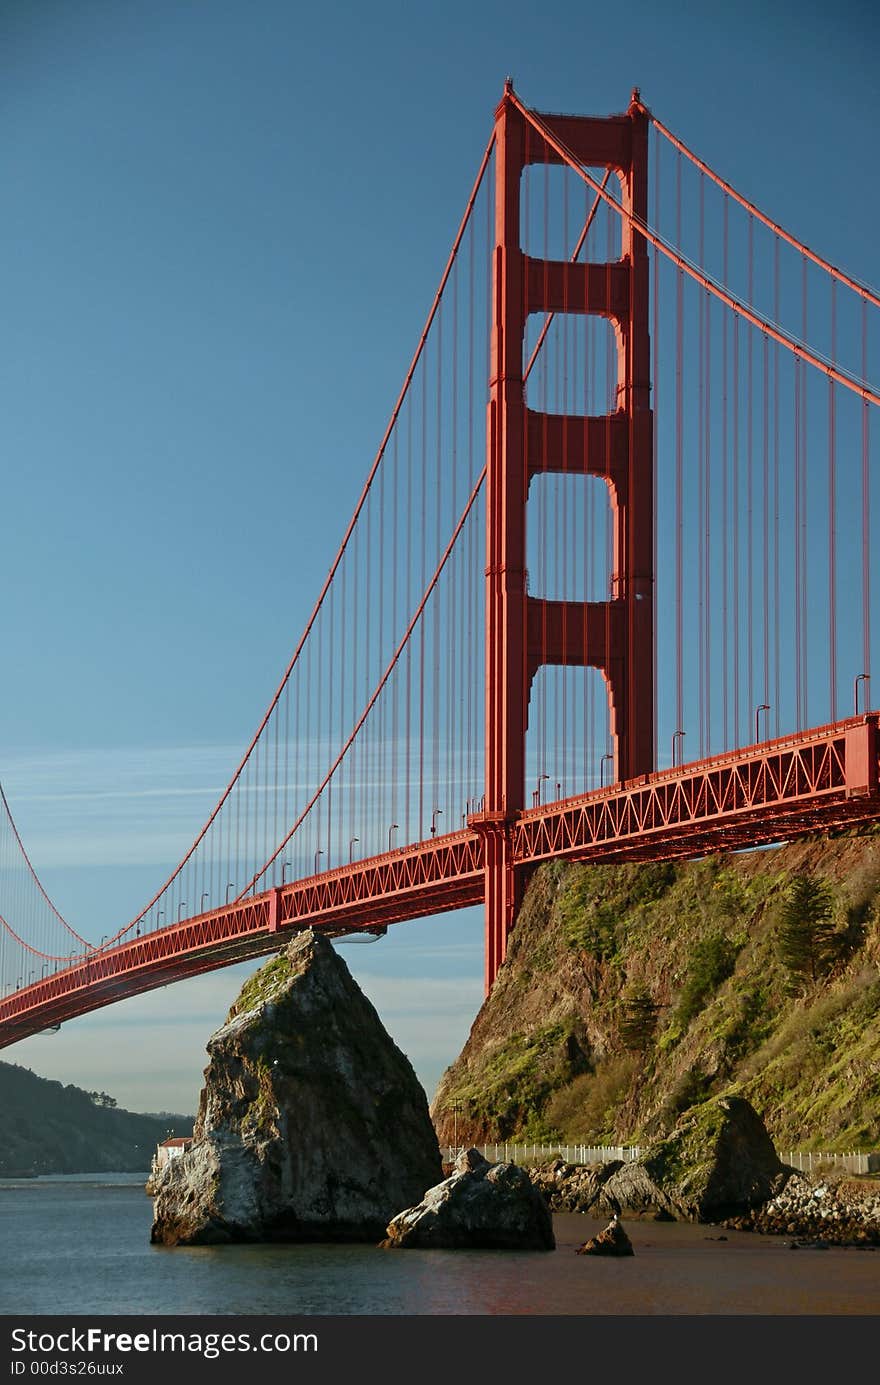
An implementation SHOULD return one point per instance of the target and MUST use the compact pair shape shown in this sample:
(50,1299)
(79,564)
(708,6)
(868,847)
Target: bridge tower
(524,632)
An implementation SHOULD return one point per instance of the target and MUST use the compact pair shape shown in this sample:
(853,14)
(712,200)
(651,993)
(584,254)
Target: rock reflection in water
(81,1247)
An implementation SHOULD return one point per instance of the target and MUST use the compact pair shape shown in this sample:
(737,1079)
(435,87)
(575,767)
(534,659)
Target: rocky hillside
(633,992)
(49,1128)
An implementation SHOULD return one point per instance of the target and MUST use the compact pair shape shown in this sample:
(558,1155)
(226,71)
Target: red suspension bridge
(622,508)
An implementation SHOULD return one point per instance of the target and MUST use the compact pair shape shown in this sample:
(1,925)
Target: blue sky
(223,224)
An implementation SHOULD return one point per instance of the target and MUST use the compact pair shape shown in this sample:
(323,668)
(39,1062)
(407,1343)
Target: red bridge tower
(524,632)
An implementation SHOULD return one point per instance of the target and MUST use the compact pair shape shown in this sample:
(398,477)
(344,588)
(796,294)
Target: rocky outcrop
(612,1241)
(481,1205)
(718,1161)
(839,1210)
(312,1124)
(631,992)
(605,1190)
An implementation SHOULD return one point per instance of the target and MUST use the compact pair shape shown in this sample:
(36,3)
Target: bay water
(79,1244)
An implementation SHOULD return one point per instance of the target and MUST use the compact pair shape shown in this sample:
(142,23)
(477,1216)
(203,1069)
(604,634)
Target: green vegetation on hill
(46,1127)
(633,992)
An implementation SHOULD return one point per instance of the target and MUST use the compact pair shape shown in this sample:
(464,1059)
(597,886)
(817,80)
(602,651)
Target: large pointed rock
(481,1205)
(312,1124)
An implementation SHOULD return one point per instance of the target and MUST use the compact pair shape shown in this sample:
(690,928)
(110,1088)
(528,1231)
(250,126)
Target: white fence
(813,1160)
(807,1162)
(539,1154)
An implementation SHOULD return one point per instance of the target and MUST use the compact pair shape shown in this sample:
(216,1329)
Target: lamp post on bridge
(284,865)
(206,894)
(437,813)
(181,905)
(764,707)
(606,756)
(536,794)
(393,828)
(866,679)
(318,853)
(351,844)
(230,886)
(676,736)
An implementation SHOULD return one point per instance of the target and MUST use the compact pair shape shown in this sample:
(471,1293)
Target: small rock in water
(481,1205)
(612,1241)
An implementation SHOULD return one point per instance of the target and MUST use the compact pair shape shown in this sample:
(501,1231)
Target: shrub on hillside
(712,960)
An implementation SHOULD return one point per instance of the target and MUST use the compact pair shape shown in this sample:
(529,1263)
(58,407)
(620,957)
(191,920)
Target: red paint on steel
(867,294)
(548,127)
(818,779)
(524,633)
(430,877)
(823,779)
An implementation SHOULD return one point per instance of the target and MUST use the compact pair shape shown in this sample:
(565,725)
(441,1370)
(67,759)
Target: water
(79,1244)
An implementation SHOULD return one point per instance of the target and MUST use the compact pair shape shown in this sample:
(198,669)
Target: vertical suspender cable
(737,613)
(679,467)
(702,622)
(331,664)
(408,705)
(562,491)
(438,497)
(423,531)
(832,519)
(725,493)
(750,486)
(610,373)
(707,525)
(394,579)
(765,516)
(866,519)
(381,758)
(655,376)
(777,613)
(798,607)
(805,573)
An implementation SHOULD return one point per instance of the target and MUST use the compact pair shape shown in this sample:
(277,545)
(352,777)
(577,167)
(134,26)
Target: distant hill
(46,1127)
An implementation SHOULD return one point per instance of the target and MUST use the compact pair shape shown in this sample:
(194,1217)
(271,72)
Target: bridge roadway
(819,780)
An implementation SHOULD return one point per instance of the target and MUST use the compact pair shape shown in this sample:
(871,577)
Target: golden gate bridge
(606,593)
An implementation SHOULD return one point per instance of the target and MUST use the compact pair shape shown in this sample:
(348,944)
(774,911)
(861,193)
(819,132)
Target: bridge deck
(823,779)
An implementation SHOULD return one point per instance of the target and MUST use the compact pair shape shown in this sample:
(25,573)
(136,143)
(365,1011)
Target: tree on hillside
(102,1099)
(805,938)
(638,1021)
